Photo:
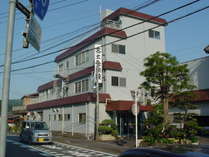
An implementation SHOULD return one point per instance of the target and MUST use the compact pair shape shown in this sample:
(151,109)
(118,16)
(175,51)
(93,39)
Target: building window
(116,48)
(67,64)
(154,34)
(82,86)
(81,58)
(61,67)
(122,82)
(67,117)
(59,117)
(82,118)
(114,81)
(118,81)
(55,117)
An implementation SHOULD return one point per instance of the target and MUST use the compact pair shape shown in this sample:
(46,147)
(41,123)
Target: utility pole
(136,117)
(98,78)
(96,133)
(6,76)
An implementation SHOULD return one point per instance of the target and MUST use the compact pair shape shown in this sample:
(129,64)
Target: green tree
(164,76)
(184,101)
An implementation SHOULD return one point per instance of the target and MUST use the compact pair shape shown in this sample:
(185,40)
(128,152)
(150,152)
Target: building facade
(127,37)
(198,72)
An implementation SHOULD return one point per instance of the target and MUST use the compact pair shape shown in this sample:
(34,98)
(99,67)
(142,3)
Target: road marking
(89,150)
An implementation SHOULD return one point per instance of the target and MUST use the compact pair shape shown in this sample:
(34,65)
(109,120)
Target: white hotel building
(75,98)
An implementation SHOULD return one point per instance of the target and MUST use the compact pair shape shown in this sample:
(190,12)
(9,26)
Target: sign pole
(136,117)
(6,77)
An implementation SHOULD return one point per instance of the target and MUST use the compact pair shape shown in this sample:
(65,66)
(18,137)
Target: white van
(35,132)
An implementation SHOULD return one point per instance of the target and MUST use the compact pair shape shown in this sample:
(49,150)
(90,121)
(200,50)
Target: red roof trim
(201,95)
(89,40)
(133,13)
(82,98)
(107,65)
(48,85)
(123,105)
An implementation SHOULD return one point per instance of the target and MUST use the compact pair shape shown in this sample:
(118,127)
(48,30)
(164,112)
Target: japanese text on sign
(98,63)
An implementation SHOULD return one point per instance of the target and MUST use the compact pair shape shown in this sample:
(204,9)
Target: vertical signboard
(34,33)
(98,63)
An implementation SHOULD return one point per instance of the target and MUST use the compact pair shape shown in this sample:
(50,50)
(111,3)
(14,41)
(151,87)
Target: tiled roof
(89,40)
(78,99)
(107,65)
(133,13)
(48,85)
(123,105)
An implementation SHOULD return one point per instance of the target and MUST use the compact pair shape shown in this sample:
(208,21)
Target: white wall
(198,72)
(137,49)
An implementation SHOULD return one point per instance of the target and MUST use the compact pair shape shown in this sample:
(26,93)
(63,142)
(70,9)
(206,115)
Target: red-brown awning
(123,105)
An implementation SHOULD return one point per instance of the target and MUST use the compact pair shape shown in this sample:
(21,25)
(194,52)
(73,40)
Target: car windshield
(40,126)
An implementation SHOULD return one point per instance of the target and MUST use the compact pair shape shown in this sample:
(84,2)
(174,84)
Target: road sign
(133,109)
(34,33)
(40,8)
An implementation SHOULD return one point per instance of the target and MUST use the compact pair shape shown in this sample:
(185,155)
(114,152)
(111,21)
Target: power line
(69,5)
(144,5)
(63,42)
(50,10)
(171,21)
(147,20)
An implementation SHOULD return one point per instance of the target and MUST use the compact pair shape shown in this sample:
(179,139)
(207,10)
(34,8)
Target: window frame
(80,118)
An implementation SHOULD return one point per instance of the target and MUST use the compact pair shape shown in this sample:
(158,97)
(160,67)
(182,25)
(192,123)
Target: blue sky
(185,39)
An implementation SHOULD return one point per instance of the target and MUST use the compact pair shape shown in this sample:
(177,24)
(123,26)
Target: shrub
(108,127)
(104,130)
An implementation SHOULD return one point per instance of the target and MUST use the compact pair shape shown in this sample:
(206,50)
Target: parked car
(35,132)
(169,151)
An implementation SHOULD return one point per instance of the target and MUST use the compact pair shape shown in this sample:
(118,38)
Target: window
(61,68)
(82,118)
(78,87)
(116,48)
(82,86)
(67,64)
(122,82)
(118,81)
(81,58)
(67,117)
(55,117)
(114,81)
(154,34)
(60,117)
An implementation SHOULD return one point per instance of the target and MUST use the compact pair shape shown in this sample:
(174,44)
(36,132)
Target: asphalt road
(18,149)
(15,148)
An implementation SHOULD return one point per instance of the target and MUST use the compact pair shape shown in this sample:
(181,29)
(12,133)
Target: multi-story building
(127,37)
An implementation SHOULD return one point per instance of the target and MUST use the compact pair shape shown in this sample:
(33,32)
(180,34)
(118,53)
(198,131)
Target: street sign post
(34,33)
(40,8)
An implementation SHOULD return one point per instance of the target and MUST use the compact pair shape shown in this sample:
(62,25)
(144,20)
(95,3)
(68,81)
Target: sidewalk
(108,147)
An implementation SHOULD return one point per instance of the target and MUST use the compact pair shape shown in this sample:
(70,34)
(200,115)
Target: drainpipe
(72,120)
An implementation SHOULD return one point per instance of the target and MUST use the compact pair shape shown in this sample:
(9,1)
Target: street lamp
(206,49)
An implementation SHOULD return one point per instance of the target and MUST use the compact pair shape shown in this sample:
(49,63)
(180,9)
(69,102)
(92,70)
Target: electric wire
(141,6)
(171,21)
(146,20)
